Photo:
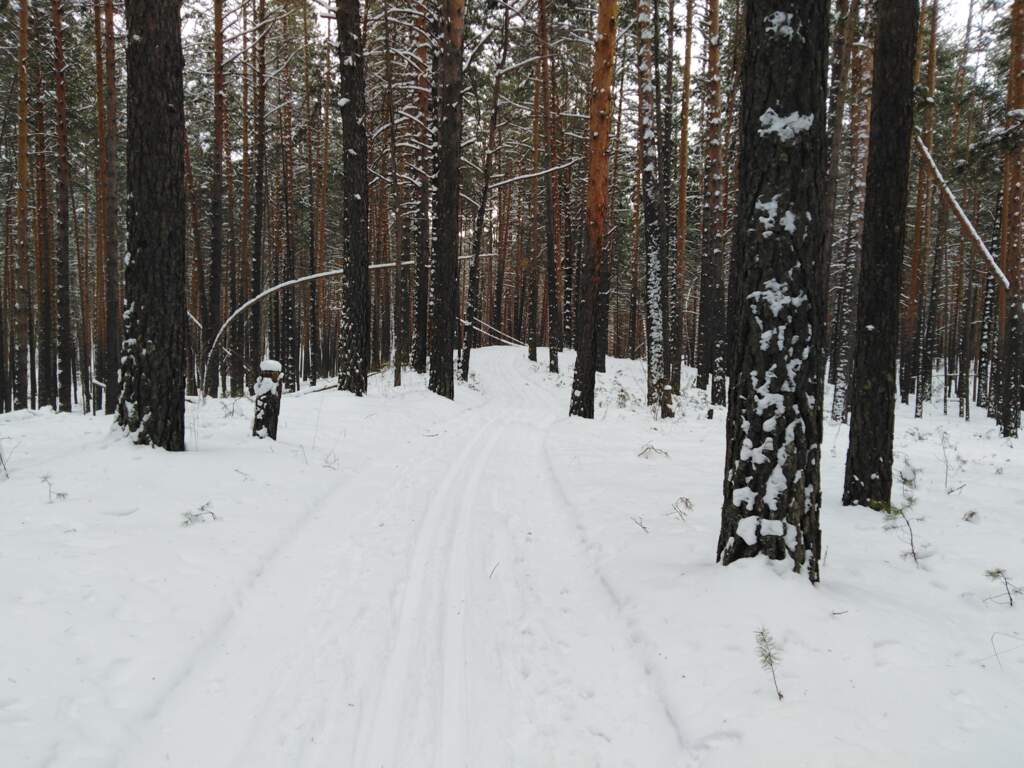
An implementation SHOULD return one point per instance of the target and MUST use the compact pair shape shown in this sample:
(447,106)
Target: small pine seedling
(769,655)
(54,495)
(896,517)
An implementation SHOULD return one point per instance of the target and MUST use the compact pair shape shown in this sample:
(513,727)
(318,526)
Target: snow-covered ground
(402,581)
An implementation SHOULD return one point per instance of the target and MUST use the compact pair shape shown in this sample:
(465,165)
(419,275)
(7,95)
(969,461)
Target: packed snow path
(403,581)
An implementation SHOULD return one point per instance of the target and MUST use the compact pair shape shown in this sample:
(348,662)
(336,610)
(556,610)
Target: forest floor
(407,582)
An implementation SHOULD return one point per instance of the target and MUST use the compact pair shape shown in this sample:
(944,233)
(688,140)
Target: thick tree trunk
(355,329)
(445,276)
(772,489)
(582,402)
(152,401)
(869,459)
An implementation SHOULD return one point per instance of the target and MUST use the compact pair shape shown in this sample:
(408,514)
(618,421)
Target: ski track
(505,644)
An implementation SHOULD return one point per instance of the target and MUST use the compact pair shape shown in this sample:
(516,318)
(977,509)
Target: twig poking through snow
(201,515)
(649,450)
(1000,574)
(640,523)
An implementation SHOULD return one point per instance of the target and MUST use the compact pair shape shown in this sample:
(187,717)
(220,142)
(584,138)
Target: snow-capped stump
(267,391)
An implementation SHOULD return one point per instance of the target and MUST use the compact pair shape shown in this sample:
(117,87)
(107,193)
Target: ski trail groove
(376,743)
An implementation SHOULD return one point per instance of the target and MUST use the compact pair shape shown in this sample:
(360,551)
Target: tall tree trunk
(655,261)
(772,470)
(712,289)
(603,72)
(259,204)
(22,296)
(65,324)
(212,318)
(445,276)
(425,28)
(555,314)
(111,219)
(355,351)
(842,56)
(289,314)
(312,303)
(1011,249)
(682,210)
(869,459)
(473,302)
(47,357)
(152,401)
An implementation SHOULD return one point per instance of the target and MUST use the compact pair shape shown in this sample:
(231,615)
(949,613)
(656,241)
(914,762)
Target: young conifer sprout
(769,655)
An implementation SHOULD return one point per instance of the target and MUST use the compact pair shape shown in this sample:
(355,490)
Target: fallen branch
(965,222)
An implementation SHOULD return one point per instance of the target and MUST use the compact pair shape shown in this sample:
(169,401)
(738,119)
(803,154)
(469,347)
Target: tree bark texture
(772,493)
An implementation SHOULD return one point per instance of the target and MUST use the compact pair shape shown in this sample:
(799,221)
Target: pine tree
(444,278)
(152,403)
(869,459)
(582,402)
(772,470)
(355,354)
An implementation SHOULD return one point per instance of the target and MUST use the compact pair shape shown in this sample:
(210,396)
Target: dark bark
(212,318)
(21,298)
(473,303)
(445,276)
(111,220)
(712,278)
(152,403)
(869,460)
(772,493)
(987,344)
(355,330)
(256,336)
(555,313)
(426,31)
(47,353)
(652,201)
(65,346)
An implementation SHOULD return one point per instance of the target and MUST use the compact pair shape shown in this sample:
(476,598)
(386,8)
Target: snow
(271,366)
(786,127)
(405,581)
(781,24)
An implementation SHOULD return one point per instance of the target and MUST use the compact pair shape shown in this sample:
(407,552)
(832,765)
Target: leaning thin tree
(772,489)
(152,401)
